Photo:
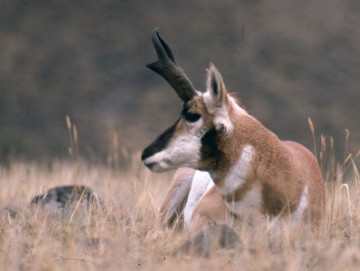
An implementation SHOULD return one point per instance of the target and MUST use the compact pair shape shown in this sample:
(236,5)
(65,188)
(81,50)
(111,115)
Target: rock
(64,196)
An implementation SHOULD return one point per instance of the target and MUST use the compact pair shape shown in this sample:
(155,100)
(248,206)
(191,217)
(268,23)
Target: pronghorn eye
(191,117)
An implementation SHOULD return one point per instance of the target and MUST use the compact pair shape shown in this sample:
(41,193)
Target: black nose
(146,153)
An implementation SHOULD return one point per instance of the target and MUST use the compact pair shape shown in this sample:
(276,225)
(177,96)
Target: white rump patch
(303,204)
(201,183)
(236,177)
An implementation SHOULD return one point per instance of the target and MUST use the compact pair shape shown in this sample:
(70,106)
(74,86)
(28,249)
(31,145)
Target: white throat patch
(237,175)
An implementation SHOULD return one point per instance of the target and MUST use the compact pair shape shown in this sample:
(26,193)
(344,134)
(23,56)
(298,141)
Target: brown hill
(286,60)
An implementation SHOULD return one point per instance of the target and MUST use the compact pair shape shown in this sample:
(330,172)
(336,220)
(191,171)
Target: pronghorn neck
(249,159)
(231,153)
(236,174)
(237,154)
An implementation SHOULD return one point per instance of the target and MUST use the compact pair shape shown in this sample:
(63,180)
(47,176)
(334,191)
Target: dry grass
(127,236)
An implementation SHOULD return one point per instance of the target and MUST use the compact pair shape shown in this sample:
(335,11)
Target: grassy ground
(127,236)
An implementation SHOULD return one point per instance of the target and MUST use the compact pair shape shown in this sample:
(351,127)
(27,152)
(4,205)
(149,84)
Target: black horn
(166,66)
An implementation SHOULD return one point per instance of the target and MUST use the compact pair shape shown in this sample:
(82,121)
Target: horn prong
(166,67)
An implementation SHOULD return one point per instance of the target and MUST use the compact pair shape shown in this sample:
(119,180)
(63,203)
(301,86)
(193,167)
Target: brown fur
(210,210)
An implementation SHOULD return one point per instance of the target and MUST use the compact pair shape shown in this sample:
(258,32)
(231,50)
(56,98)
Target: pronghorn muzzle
(156,147)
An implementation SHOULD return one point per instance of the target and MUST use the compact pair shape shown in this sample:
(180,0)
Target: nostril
(150,165)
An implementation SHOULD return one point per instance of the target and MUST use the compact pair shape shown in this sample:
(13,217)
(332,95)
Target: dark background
(286,61)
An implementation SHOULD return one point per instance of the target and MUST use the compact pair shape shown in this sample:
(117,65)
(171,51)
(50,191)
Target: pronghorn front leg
(176,196)
(211,210)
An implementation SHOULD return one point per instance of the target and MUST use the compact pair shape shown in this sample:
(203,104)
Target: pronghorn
(229,164)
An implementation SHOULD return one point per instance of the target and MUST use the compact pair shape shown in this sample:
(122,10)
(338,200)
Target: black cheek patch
(160,143)
(209,149)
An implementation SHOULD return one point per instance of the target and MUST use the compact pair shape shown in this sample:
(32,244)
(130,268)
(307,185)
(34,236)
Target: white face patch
(201,183)
(237,175)
(183,151)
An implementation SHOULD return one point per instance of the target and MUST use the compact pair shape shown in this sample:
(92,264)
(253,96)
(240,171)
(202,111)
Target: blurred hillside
(286,60)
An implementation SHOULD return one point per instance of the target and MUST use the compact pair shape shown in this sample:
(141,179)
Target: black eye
(191,117)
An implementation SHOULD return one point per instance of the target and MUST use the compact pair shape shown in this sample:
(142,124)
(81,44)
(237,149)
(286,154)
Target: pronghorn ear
(217,100)
(215,87)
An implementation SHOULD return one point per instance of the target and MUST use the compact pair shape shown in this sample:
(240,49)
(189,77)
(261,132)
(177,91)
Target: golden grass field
(127,235)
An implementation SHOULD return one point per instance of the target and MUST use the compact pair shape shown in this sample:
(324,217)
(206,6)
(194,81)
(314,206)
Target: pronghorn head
(206,116)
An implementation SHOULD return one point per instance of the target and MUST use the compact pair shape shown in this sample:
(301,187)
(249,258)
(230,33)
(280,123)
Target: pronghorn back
(252,169)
